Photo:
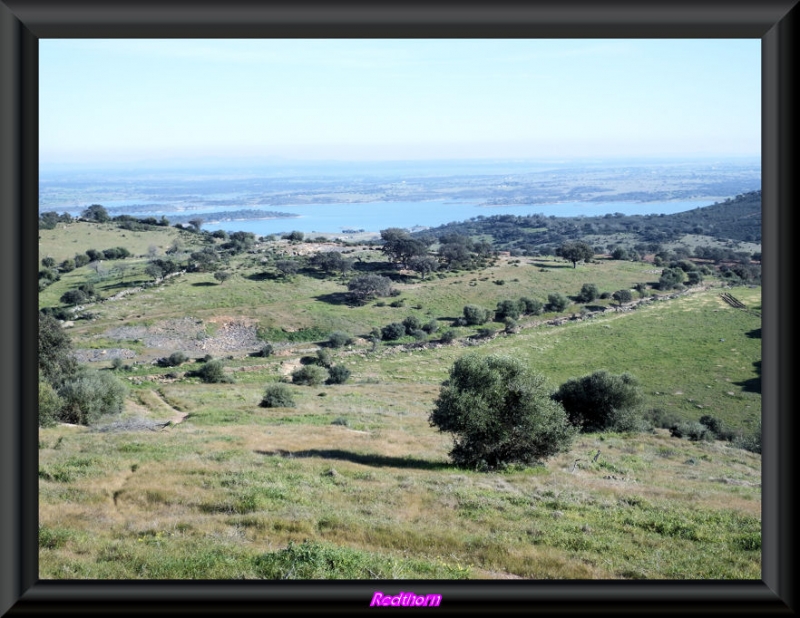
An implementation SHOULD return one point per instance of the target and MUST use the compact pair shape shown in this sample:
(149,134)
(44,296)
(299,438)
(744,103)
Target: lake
(375,216)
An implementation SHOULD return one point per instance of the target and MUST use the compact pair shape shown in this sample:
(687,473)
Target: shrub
(310,375)
(74,297)
(557,302)
(531,306)
(660,418)
(476,315)
(500,413)
(173,360)
(338,339)
(49,405)
(393,331)
(267,350)
(324,357)
(448,336)
(431,327)
(213,372)
(91,395)
(694,431)
(508,309)
(338,374)
(511,326)
(600,401)
(277,396)
(412,323)
(717,428)
(752,442)
(588,293)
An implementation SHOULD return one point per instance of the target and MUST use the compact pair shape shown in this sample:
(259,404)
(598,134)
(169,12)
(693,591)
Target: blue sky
(159,100)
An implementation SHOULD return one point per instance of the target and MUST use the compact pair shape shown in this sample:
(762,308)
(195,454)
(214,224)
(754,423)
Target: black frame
(23,22)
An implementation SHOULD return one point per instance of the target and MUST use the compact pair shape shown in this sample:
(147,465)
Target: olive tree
(601,401)
(500,413)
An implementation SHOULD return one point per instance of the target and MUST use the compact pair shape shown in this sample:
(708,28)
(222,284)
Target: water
(375,216)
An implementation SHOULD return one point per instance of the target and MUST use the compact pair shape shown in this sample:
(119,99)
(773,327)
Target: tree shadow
(550,265)
(262,276)
(754,334)
(380,461)
(204,284)
(753,385)
(336,298)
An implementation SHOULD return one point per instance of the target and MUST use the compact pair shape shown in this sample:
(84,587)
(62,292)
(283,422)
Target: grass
(354,483)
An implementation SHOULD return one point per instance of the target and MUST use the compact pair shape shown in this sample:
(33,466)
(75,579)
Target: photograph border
(24,22)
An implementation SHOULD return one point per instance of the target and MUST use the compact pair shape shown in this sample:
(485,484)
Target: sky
(152,100)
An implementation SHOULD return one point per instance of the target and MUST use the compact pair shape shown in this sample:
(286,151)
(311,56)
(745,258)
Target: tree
(424,265)
(96,213)
(196,223)
(222,276)
(500,413)
(400,247)
(287,267)
(295,236)
(575,252)
(49,262)
(588,293)
(56,363)
(622,296)
(366,287)
(601,401)
(671,278)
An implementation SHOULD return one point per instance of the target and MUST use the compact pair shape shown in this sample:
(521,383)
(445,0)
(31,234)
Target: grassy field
(354,483)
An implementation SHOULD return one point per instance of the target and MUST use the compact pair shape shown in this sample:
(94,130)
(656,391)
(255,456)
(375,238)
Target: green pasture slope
(353,482)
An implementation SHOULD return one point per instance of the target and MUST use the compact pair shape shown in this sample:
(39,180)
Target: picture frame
(24,22)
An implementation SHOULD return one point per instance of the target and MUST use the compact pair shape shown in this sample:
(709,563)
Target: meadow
(353,482)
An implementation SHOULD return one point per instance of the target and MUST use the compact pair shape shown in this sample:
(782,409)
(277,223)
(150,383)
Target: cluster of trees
(502,413)
(69,392)
(738,219)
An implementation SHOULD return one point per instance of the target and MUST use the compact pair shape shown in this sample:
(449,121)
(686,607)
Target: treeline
(734,219)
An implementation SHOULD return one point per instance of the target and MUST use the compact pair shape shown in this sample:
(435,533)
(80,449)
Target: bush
(412,323)
(213,372)
(431,327)
(508,309)
(338,374)
(500,413)
(393,331)
(324,357)
(267,350)
(694,431)
(588,293)
(601,401)
(448,336)
(531,306)
(476,315)
(557,302)
(74,297)
(310,375)
(717,428)
(91,395)
(338,339)
(49,405)
(277,396)
(658,417)
(173,360)
(752,442)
